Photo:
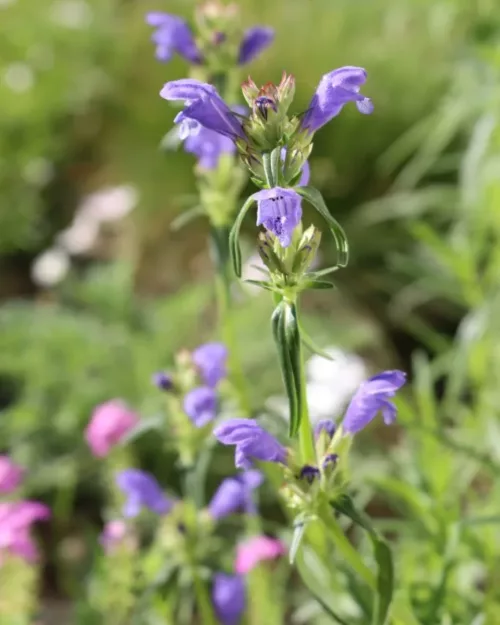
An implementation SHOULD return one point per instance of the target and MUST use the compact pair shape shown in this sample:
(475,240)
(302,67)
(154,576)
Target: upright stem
(203,601)
(306,439)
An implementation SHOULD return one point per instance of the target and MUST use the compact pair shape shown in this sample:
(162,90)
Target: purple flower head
(11,475)
(228,598)
(204,107)
(163,381)
(252,442)
(279,211)
(142,491)
(208,146)
(200,405)
(16,519)
(373,395)
(255,40)
(334,90)
(235,495)
(173,35)
(324,425)
(210,360)
(309,473)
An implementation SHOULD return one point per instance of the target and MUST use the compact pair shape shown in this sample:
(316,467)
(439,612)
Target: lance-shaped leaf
(383,557)
(314,197)
(287,339)
(234,236)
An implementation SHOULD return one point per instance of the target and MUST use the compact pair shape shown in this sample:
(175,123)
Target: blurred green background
(80,112)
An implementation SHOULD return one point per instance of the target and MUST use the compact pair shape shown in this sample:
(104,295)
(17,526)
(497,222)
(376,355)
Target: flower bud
(267,253)
(306,251)
(250,91)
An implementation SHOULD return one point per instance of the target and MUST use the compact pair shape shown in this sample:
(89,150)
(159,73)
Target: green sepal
(234,236)
(271,165)
(383,557)
(314,197)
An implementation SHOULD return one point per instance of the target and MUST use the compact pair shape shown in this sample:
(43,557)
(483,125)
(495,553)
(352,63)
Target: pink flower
(109,423)
(113,534)
(255,550)
(16,519)
(11,475)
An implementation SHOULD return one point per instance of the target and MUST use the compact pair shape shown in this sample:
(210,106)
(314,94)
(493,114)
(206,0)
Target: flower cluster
(17,516)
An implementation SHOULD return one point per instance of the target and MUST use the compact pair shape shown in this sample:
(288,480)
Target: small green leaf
(317,285)
(314,197)
(234,236)
(322,272)
(298,534)
(186,217)
(312,346)
(271,164)
(383,557)
(263,285)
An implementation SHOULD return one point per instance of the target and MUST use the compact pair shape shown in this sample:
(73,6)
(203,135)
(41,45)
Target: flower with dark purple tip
(279,211)
(324,425)
(210,360)
(173,35)
(330,459)
(142,491)
(336,89)
(163,381)
(255,40)
(251,441)
(371,397)
(309,473)
(235,495)
(204,107)
(228,598)
(200,405)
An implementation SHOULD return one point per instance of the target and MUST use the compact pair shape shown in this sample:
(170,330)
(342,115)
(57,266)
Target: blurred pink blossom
(255,550)
(11,475)
(113,534)
(16,519)
(109,423)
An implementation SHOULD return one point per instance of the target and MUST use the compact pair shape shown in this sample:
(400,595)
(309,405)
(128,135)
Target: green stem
(203,601)
(349,553)
(306,438)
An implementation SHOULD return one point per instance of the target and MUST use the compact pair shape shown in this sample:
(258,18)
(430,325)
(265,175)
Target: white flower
(109,204)
(50,267)
(80,237)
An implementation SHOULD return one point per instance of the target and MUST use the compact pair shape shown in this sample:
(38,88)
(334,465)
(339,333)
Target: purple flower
(204,107)
(142,491)
(200,405)
(16,519)
(252,442)
(173,35)
(309,473)
(235,495)
(334,90)
(228,598)
(210,360)
(279,211)
(326,425)
(255,40)
(373,395)
(208,146)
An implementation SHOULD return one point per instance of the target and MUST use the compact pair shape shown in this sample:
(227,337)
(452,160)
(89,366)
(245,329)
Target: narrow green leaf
(263,285)
(322,272)
(298,534)
(280,339)
(314,197)
(186,217)
(318,285)
(383,557)
(234,236)
(311,345)
(292,338)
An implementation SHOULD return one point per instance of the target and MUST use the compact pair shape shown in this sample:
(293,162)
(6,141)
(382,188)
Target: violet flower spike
(228,598)
(210,360)
(371,397)
(279,211)
(251,441)
(204,107)
(200,405)
(173,35)
(255,40)
(235,495)
(334,90)
(142,491)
